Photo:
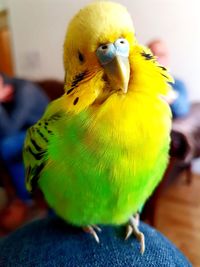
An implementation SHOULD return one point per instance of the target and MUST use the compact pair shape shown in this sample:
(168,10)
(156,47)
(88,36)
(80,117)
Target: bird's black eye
(80,57)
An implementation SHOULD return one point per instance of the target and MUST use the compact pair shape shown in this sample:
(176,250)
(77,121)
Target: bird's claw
(96,227)
(91,230)
(132,228)
(129,231)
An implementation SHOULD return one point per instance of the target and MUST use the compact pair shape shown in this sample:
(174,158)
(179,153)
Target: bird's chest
(122,144)
(125,132)
(109,160)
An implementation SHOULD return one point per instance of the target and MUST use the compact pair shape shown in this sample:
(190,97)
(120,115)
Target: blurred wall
(38,28)
(3,4)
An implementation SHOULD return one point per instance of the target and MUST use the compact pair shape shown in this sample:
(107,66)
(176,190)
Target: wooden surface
(178,217)
(6,61)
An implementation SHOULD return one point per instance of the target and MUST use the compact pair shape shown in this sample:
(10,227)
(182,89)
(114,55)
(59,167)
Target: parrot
(99,151)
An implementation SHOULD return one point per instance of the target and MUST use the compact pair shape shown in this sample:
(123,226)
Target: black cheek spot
(76,100)
(80,57)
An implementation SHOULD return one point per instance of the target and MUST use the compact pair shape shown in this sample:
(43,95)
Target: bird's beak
(118,73)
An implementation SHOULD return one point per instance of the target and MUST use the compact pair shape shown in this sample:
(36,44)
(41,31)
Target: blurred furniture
(185,147)
(6,61)
(52,88)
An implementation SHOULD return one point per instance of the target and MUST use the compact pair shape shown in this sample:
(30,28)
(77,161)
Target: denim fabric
(11,147)
(11,154)
(51,242)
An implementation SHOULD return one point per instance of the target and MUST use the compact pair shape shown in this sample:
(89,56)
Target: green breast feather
(101,165)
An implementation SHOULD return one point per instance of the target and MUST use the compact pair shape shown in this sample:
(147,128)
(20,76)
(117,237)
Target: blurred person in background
(22,103)
(178,99)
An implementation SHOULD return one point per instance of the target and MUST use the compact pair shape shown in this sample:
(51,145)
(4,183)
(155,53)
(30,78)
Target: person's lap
(11,154)
(51,242)
(11,147)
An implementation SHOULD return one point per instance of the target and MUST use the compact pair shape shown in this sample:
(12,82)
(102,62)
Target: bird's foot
(91,230)
(132,228)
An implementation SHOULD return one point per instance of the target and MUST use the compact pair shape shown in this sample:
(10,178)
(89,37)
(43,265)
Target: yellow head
(99,51)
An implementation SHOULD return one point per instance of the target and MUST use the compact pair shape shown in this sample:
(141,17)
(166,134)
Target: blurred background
(31,47)
(37,29)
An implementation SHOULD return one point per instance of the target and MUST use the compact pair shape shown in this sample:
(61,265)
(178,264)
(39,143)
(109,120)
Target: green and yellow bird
(100,150)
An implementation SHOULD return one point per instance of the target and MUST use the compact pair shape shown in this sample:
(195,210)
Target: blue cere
(107,52)
(122,47)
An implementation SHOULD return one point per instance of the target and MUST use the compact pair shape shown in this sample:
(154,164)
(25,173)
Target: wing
(35,151)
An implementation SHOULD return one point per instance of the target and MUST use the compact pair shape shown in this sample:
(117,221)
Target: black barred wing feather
(35,151)
(147,54)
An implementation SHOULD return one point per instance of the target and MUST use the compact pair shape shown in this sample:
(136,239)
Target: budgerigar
(100,150)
